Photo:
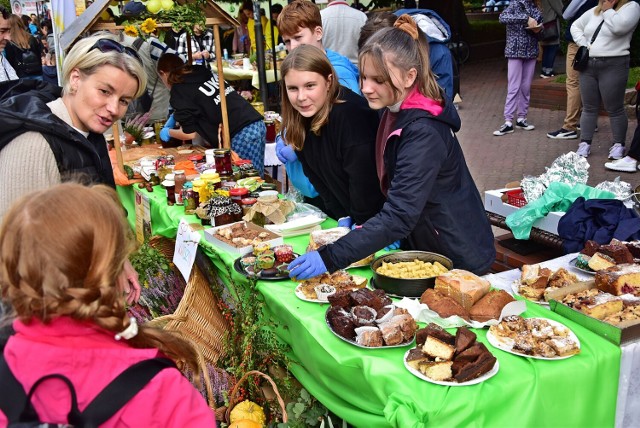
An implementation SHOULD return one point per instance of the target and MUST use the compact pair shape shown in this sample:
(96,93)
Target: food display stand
(372,388)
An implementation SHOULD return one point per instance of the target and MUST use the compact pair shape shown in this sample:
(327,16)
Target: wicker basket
(197,318)
(224,414)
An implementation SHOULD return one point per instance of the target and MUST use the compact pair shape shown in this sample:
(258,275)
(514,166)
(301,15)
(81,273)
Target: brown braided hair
(62,253)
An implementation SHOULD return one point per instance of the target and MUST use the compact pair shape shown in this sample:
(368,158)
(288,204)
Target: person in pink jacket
(62,252)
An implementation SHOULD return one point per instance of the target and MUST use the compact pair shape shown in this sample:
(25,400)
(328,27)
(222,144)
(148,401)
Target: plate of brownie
(369,319)
(450,360)
(539,338)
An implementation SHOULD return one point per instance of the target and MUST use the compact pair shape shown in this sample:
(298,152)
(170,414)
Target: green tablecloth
(372,388)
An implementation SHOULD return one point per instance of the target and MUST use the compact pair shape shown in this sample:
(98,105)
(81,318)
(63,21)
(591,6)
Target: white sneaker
(616,151)
(584,149)
(625,164)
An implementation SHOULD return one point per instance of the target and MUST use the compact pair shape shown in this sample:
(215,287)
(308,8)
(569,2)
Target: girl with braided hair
(63,276)
(432,202)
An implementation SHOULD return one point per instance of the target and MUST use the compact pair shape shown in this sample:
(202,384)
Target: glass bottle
(170,187)
(180,178)
(190,198)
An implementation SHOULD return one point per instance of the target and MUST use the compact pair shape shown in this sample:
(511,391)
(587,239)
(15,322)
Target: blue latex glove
(164,132)
(307,266)
(393,246)
(345,222)
(285,152)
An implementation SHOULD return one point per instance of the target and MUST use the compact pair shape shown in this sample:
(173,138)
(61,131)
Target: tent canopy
(90,21)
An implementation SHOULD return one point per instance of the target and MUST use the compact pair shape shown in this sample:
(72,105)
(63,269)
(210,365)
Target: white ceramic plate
(515,287)
(300,295)
(354,343)
(572,263)
(480,379)
(507,347)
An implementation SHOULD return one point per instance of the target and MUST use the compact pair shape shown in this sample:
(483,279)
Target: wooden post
(226,138)
(116,145)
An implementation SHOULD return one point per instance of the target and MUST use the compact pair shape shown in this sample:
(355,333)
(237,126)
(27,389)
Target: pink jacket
(91,358)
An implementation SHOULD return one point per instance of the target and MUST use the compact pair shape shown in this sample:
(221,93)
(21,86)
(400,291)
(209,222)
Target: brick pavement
(495,161)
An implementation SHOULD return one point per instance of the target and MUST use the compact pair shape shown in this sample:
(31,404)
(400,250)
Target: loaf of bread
(445,306)
(619,279)
(490,306)
(462,286)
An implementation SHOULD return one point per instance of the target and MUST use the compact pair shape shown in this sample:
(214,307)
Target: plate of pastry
(535,280)
(539,338)
(318,289)
(450,360)
(369,319)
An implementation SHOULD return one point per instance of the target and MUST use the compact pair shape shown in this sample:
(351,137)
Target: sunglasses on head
(108,45)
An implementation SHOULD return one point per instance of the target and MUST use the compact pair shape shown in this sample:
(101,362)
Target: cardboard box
(210,235)
(618,334)
(493,203)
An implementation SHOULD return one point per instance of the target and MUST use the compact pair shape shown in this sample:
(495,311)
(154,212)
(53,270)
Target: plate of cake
(444,359)
(539,338)
(319,288)
(535,280)
(369,319)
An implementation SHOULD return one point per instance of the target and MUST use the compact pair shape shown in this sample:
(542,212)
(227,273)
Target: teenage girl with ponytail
(432,201)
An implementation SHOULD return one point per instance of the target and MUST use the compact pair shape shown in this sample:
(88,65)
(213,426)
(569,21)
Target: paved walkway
(495,161)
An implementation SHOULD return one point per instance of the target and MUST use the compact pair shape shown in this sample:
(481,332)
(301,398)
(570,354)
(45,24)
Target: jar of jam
(190,198)
(196,159)
(170,187)
(238,193)
(246,204)
(180,178)
(222,159)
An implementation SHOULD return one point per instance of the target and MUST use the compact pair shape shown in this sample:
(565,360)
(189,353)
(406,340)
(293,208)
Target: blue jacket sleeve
(299,180)
(442,66)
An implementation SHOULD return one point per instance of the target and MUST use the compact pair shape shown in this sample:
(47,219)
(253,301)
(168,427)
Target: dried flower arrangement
(134,125)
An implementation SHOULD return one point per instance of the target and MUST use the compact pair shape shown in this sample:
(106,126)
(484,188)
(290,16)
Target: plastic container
(516,198)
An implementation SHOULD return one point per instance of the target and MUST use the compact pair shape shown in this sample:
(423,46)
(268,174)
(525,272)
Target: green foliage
(148,259)
(486,30)
(180,16)
(306,411)
(6,4)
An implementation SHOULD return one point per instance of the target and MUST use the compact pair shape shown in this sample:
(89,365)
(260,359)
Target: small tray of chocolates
(266,263)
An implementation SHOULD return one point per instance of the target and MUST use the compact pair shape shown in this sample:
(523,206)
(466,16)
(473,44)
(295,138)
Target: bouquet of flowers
(135,124)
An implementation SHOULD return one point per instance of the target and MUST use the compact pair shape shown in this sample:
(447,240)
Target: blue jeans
(549,57)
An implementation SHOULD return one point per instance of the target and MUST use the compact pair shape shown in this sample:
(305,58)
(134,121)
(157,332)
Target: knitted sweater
(614,38)
(27,163)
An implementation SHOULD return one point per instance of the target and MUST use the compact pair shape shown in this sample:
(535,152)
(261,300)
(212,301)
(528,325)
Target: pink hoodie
(91,358)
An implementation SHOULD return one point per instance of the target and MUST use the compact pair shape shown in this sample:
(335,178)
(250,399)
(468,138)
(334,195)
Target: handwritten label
(186,246)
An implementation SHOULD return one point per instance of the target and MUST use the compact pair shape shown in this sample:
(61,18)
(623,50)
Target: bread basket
(406,287)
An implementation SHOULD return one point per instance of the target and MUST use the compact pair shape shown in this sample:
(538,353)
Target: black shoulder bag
(581,60)
(17,407)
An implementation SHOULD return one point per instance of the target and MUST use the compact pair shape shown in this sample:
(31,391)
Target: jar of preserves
(170,186)
(190,198)
(180,178)
(222,159)
(246,204)
(238,193)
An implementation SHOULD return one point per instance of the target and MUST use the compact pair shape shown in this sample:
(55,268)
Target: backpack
(20,413)
(29,64)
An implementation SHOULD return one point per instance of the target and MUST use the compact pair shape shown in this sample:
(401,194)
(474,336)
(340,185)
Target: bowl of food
(408,273)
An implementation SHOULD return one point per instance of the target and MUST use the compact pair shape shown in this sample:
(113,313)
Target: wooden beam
(226,136)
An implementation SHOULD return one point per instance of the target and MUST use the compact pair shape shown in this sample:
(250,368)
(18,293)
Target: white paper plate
(508,347)
(515,287)
(477,380)
(300,295)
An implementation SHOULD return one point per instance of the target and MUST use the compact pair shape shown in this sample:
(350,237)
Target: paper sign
(186,246)
(143,217)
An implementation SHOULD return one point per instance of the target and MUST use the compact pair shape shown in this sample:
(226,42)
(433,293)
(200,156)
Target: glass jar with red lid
(238,193)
